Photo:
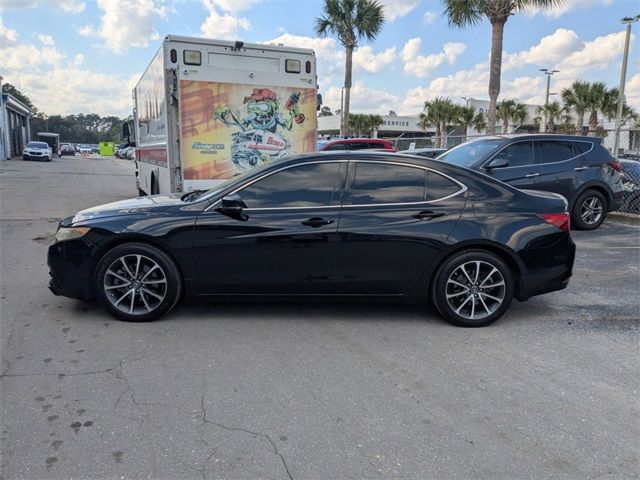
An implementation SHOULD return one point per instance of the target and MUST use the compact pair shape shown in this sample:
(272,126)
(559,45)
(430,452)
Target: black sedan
(326,226)
(579,168)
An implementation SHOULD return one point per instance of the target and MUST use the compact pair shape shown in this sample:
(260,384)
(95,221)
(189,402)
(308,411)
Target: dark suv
(579,168)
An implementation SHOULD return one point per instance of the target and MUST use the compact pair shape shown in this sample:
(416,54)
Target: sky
(85,56)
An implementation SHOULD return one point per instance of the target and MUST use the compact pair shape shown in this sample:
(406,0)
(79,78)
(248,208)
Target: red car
(357,144)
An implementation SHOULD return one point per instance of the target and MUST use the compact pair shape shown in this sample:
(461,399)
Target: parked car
(631,183)
(330,226)
(67,149)
(85,149)
(577,167)
(95,148)
(37,151)
(430,152)
(356,144)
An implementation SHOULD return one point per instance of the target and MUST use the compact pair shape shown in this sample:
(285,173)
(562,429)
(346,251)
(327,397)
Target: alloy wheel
(475,290)
(135,284)
(591,210)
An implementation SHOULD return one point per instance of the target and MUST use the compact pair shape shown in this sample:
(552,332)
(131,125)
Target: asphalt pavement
(307,391)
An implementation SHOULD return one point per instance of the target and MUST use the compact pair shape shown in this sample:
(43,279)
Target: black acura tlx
(325,226)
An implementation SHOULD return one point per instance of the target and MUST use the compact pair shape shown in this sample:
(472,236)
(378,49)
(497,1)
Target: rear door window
(439,186)
(380,183)
(551,151)
(581,147)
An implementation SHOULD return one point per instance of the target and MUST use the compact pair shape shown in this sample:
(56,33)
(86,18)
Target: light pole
(625,21)
(548,73)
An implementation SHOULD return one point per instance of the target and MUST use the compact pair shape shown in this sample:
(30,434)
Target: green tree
(364,123)
(10,89)
(555,113)
(350,21)
(464,13)
(439,112)
(510,112)
(597,99)
(467,117)
(576,97)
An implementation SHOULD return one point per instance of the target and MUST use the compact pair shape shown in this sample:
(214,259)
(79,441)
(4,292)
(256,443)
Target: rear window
(439,186)
(359,145)
(582,147)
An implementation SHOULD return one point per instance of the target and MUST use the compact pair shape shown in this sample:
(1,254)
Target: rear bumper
(549,269)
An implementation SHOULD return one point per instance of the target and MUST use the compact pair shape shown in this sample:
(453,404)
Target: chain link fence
(628,155)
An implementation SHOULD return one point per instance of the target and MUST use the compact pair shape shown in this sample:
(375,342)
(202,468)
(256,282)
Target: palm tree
(554,113)
(599,99)
(439,112)
(467,117)
(363,123)
(325,112)
(463,13)
(510,112)
(350,21)
(575,97)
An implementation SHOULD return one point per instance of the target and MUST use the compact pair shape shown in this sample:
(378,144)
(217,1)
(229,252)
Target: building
(392,127)
(15,128)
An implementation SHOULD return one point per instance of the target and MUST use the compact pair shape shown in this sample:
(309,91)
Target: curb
(625,218)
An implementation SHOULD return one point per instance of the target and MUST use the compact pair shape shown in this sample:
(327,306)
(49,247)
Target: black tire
(143,307)
(155,189)
(491,310)
(580,216)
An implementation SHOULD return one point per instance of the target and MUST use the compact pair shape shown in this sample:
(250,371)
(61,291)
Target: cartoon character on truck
(258,140)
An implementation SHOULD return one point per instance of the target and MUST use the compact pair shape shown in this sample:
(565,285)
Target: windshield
(469,153)
(37,145)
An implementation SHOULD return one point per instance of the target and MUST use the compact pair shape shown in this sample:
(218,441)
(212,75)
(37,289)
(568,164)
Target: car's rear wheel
(137,282)
(589,210)
(472,288)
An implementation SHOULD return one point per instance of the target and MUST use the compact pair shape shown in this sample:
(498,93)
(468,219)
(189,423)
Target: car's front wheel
(137,282)
(472,288)
(589,210)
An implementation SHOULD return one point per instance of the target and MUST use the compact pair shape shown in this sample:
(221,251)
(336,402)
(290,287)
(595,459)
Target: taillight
(560,220)
(616,165)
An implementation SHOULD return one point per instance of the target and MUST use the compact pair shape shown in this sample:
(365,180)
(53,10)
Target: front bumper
(30,156)
(71,268)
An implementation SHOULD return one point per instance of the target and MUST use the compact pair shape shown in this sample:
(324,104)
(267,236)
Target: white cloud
(365,59)
(423,65)
(632,91)
(234,6)
(78,60)
(429,17)
(547,52)
(46,39)
(8,36)
(363,99)
(223,25)
(69,6)
(126,23)
(398,8)
(72,6)
(567,5)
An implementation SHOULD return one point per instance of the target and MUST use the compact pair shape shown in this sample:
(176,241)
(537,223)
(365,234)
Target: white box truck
(206,110)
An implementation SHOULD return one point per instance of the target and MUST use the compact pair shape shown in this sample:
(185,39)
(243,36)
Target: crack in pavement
(250,432)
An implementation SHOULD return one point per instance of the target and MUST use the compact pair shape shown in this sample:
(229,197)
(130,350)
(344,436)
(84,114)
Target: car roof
(539,136)
(357,140)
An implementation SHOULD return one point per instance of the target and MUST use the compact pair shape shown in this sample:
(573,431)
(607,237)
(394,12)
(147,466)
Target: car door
(559,166)
(395,218)
(521,171)
(284,241)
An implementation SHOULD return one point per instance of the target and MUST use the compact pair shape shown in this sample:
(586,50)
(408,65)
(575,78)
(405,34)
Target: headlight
(64,233)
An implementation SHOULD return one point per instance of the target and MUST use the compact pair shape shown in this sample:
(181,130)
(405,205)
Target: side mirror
(497,162)
(232,206)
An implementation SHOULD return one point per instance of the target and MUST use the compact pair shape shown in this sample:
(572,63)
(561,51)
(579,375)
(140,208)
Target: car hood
(132,206)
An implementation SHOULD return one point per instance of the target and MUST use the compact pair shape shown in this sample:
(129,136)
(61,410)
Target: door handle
(427,214)
(315,222)
(531,175)
(579,169)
